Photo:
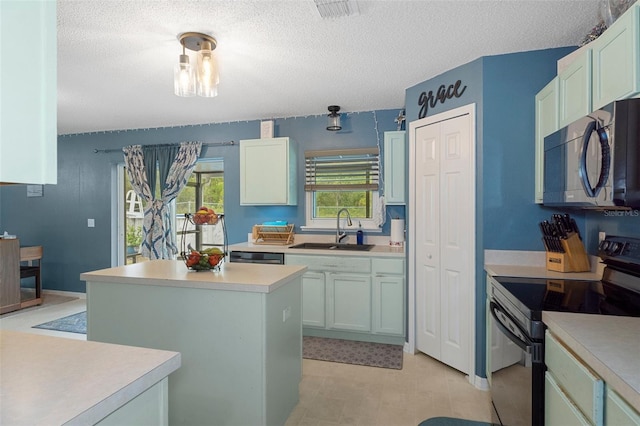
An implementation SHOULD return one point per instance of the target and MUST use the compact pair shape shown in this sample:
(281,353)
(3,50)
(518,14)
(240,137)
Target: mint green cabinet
(28,92)
(349,302)
(575,89)
(569,378)
(616,61)
(394,167)
(617,411)
(546,123)
(559,409)
(313,299)
(353,297)
(388,296)
(268,172)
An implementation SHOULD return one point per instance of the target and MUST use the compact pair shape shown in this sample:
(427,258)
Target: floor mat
(352,352)
(76,323)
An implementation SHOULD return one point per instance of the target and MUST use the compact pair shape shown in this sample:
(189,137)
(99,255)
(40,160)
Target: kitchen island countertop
(52,380)
(609,345)
(173,273)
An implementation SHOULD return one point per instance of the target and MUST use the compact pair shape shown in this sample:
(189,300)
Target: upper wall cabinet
(575,89)
(28,123)
(616,61)
(546,123)
(394,169)
(267,172)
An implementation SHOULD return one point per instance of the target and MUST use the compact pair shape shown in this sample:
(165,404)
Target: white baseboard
(66,293)
(480,383)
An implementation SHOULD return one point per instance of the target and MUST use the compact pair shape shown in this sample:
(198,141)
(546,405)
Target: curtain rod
(105,151)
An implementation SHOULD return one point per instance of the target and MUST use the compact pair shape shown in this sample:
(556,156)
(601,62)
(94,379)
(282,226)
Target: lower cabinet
(617,411)
(349,302)
(575,395)
(313,299)
(582,390)
(353,297)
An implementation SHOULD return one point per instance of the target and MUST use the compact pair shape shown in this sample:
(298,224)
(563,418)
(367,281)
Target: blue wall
(87,181)
(503,88)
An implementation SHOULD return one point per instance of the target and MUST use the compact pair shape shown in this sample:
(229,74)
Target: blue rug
(76,323)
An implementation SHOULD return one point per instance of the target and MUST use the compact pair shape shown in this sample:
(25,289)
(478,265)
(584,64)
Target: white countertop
(53,381)
(247,277)
(609,345)
(379,250)
(528,271)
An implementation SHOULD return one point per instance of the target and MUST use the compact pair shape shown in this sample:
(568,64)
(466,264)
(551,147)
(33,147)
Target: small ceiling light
(334,119)
(204,81)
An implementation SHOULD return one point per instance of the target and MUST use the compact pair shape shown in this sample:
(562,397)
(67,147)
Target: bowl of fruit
(205,216)
(203,260)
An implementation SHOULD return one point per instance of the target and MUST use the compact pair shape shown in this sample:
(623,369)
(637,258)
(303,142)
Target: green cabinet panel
(394,167)
(546,123)
(313,299)
(349,302)
(268,172)
(28,92)
(353,297)
(575,89)
(388,296)
(615,60)
(558,407)
(388,304)
(618,412)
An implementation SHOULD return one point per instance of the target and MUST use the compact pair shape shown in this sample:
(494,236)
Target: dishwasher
(257,257)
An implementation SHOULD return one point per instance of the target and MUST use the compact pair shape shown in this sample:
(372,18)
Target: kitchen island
(239,331)
(56,381)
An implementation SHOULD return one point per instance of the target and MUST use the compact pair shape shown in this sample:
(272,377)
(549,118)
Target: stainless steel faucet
(340,235)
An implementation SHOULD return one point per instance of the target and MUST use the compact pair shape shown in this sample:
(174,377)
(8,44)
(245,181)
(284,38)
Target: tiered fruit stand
(206,259)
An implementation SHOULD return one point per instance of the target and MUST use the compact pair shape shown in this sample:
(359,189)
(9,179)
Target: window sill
(333,229)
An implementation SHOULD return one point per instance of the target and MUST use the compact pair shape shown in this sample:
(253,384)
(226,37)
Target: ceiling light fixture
(334,119)
(204,80)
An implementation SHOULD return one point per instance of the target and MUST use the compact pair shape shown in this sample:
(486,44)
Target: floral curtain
(174,164)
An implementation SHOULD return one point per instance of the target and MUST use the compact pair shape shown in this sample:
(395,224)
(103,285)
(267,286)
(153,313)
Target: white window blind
(354,169)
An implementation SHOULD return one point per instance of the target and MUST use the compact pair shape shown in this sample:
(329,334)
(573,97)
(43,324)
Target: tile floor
(334,394)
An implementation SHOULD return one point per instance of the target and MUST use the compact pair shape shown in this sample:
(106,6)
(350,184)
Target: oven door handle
(523,343)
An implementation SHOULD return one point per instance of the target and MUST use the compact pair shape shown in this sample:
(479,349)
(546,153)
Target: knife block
(574,258)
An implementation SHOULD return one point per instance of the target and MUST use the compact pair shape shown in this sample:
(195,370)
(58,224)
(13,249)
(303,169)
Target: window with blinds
(356,169)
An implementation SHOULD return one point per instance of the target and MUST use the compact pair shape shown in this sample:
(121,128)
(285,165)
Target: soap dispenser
(359,234)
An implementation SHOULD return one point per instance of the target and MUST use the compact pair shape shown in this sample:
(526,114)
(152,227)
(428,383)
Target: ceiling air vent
(336,8)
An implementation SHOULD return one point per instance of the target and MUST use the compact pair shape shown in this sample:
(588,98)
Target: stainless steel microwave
(594,162)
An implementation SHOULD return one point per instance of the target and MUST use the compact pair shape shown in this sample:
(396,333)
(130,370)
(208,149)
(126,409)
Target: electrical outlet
(91,223)
(601,236)
(286,313)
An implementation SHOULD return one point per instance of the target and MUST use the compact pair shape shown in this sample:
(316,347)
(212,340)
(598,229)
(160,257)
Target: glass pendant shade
(207,72)
(184,79)
(333,123)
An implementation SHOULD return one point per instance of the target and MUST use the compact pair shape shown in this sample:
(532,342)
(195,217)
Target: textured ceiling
(280,58)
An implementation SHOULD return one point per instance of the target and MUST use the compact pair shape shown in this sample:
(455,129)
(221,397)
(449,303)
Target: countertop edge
(553,320)
(198,279)
(376,251)
(125,395)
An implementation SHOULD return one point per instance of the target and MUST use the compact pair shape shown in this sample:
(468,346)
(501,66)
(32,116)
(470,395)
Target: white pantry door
(444,234)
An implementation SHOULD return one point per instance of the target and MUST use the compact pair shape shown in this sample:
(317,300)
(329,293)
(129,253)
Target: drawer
(618,412)
(388,266)
(583,387)
(331,263)
(558,407)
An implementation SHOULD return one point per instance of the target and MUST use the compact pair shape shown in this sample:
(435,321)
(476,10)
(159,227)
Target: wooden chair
(30,266)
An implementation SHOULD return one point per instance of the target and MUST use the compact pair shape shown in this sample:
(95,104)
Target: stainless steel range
(516,305)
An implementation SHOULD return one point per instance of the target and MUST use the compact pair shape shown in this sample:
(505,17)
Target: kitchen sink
(333,246)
